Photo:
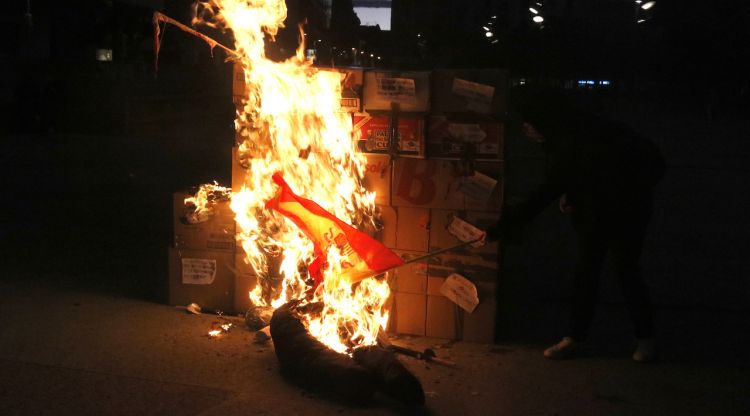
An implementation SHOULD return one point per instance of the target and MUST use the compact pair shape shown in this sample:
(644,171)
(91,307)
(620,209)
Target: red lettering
(416,184)
(374,167)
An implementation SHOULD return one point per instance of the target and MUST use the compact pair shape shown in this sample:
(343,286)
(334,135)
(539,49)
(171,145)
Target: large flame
(291,122)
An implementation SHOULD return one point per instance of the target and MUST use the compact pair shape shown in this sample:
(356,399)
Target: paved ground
(66,351)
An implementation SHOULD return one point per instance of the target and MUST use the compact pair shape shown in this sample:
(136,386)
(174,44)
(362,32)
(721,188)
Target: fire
(291,122)
(203,201)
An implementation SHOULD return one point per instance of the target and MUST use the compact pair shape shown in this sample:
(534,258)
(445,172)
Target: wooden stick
(435,253)
(159,17)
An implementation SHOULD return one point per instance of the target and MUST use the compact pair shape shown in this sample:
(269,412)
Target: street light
(538,19)
(648,5)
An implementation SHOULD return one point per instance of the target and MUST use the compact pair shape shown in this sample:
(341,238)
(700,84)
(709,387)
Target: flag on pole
(362,256)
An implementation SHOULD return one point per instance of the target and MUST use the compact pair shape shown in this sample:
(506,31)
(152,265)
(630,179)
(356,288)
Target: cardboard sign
(198,271)
(400,90)
(478,187)
(461,291)
(476,92)
(456,138)
(465,231)
(478,96)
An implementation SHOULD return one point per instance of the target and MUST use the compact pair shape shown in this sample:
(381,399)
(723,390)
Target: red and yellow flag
(362,255)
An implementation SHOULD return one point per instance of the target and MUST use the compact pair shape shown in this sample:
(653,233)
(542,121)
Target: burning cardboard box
(352,82)
(377,178)
(214,230)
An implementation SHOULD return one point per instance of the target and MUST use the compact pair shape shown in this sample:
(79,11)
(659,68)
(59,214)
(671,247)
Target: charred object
(308,362)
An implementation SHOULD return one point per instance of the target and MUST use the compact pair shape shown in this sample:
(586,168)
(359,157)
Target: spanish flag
(362,255)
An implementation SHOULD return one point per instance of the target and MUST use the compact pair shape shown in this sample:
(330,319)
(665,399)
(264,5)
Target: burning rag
(362,256)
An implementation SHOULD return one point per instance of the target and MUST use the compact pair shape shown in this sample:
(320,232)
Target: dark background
(91,151)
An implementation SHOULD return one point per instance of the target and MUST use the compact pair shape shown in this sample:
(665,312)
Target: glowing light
(648,5)
(489,34)
(538,19)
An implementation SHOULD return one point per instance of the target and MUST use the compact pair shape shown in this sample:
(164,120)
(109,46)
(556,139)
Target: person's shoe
(563,349)
(645,350)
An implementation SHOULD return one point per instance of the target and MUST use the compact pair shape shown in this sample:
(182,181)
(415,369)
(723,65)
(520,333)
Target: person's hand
(565,206)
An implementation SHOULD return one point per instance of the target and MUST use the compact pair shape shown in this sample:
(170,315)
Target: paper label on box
(478,187)
(473,91)
(461,291)
(401,90)
(465,231)
(467,132)
(198,271)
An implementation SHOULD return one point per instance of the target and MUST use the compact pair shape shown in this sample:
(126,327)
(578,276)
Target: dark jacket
(605,168)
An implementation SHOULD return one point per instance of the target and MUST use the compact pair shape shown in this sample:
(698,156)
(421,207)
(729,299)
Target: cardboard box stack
(449,165)
(454,169)
(202,257)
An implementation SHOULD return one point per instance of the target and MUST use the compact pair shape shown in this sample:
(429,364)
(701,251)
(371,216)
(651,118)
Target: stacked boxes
(426,195)
(374,134)
(453,169)
(447,163)
(202,257)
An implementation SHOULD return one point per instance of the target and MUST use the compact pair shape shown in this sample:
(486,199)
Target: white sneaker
(563,349)
(645,350)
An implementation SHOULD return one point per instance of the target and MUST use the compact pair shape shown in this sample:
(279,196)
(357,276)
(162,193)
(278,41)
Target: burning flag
(360,255)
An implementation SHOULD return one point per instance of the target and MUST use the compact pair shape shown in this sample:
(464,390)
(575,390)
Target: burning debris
(219,328)
(258,317)
(307,361)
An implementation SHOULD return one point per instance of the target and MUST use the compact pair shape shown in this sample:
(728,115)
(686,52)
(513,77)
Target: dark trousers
(620,234)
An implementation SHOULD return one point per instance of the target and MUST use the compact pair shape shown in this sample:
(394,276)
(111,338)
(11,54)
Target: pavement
(71,351)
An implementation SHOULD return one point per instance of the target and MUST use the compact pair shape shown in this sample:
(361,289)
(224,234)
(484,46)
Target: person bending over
(603,174)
